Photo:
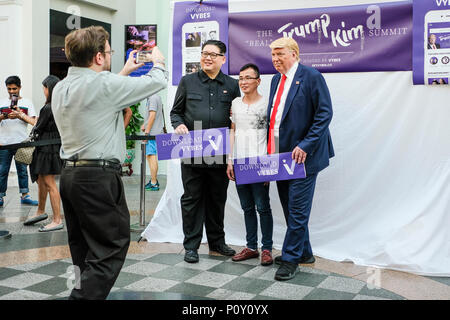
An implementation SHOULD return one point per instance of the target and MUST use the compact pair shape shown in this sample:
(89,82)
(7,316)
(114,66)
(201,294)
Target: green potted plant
(134,128)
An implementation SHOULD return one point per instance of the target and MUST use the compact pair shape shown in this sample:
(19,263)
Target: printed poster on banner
(194,24)
(275,167)
(197,144)
(360,38)
(140,38)
(431,44)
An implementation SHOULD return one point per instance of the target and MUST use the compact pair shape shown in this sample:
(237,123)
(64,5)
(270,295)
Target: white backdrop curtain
(385,199)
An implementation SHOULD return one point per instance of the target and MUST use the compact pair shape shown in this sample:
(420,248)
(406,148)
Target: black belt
(93,163)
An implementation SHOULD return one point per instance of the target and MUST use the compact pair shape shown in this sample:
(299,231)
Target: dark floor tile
(164,258)
(444,280)
(190,289)
(210,256)
(5,290)
(380,293)
(26,241)
(307,279)
(6,273)
(52,286)
(324,294)
(232,268)
(258,297)
(176,273)
(54,269)
(248,285)
(124,279)
(129,262)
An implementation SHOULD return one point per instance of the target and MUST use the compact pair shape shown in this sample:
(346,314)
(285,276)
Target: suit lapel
(295,86)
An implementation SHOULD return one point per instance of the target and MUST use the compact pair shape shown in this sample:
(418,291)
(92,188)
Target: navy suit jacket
(307,115)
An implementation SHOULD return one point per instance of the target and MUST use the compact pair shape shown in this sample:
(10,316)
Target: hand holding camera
(135,63)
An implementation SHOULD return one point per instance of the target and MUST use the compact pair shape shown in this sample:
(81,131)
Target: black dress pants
(98,225)
(203,202)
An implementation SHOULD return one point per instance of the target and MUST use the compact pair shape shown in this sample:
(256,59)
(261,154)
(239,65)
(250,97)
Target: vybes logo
(213,143)
(290,170)
(443,2)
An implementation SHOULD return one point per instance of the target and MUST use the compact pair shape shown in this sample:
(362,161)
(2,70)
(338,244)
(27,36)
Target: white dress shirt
(287,86)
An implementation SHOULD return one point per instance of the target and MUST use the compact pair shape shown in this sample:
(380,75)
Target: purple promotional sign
(372,37)
(276,167)
(194,24)
(196,144)
(431,44)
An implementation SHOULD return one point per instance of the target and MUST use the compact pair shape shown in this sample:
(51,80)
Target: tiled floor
(36,266)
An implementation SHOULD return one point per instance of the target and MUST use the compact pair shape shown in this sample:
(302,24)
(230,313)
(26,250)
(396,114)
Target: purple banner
(196,144)
(431,44)
(276,167)
(372,37)
(194,24)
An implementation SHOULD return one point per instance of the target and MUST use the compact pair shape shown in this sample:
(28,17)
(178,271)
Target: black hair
(252,66)
(13,80)
(219,44)
(50,83)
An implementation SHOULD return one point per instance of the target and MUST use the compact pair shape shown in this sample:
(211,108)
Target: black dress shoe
(224,250)
(286,271)
(303,260)
(191,256)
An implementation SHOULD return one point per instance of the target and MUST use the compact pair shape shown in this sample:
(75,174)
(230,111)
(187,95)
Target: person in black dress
(47,163)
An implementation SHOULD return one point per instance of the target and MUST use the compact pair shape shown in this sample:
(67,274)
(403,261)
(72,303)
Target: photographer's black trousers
(203,202)
(98,225)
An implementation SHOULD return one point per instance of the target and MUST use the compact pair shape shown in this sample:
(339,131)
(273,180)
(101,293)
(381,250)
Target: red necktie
(271,144)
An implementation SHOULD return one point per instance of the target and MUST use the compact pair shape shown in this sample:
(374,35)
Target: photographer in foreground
(87,106)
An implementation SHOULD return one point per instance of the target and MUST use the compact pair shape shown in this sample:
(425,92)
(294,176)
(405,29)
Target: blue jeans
(6,157)
(251,195)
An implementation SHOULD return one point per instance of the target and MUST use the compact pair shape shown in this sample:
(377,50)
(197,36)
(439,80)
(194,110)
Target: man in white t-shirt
(13,129)
(249,139)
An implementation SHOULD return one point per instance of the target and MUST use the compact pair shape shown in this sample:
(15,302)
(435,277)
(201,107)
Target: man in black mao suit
(204,97)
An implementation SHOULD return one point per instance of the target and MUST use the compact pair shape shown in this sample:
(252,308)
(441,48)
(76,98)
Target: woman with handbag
(47,163)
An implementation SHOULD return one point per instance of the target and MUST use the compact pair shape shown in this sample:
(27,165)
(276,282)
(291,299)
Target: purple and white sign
(372,37)
(197,144)
(194,24)
(431,44)
(276,167)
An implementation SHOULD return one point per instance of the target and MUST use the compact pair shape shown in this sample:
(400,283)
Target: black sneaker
(286,271)
(303,260)
(191,256)
(224,250)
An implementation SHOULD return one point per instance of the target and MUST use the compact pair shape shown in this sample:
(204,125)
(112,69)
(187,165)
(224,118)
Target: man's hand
(157,56)
(131,65)
(14,115)
(299,155)
(230,172)
(181,130)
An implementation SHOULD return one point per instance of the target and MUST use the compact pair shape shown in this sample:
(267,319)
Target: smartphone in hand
(144,57)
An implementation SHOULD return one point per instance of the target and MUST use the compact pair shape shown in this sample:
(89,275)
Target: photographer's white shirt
(14,131)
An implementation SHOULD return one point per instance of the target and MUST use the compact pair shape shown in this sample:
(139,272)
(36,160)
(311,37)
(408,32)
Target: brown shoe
(266,258)
(246,254)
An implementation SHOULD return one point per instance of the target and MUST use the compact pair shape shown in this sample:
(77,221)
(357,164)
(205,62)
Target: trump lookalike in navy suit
(300,112)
